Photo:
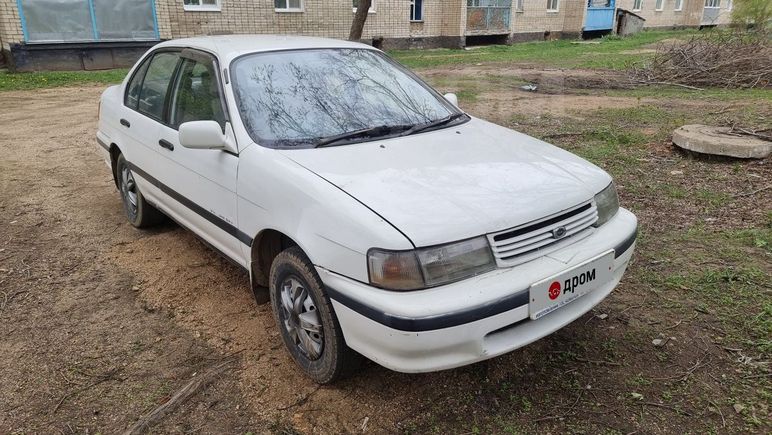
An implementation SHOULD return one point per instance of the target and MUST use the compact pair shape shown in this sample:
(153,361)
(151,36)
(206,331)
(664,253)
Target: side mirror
(204,135)
(452,98)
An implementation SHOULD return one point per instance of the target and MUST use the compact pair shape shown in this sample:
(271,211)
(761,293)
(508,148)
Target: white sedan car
(376,216)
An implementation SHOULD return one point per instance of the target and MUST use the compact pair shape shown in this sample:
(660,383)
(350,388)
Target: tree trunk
(363,6)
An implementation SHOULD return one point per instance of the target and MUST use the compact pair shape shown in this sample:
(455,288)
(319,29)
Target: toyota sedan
(373,214)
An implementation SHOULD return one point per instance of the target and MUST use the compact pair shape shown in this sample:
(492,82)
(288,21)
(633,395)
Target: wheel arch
(114,153)
(266,245)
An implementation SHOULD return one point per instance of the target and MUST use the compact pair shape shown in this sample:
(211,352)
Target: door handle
(125,123)
(166,144)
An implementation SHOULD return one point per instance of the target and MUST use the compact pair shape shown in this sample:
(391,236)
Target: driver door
(205,180)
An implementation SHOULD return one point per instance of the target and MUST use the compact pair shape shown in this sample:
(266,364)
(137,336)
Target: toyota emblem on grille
(559,232)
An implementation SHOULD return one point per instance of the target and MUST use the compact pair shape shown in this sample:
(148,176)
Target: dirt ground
(101,322)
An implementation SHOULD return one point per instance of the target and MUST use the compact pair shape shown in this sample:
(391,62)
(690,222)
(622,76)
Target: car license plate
(556,291)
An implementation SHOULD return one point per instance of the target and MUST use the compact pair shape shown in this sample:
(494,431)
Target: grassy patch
(710,94)
(53,79)
(733,294)
(610,52)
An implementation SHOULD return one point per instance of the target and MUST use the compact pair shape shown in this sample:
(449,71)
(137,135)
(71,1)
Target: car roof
(228,47)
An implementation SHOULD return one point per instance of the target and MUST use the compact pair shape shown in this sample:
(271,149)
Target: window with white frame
(637,5)
(288,5)
(679,5)
(659,5)
(713,3)
(553,5)
(372,6)
(201,5)
(519,5)
(729,5)
(416,10)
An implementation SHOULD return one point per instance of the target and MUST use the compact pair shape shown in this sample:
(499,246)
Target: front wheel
(139,212)
(306,320)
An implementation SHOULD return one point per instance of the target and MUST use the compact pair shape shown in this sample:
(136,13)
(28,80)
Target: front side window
(288,5)
(658,5)
(301,98)
(637,4)
(712,3)
(152,94)
(201,5)
(552,5)
(678,5)
(196,95)
(416,10)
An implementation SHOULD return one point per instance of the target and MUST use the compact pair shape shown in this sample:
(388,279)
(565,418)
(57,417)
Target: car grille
(535,239)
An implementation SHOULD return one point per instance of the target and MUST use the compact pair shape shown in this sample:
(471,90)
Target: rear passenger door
(142,116)
(204,180)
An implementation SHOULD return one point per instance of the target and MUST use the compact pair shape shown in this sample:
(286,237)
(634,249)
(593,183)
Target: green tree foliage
(756,13)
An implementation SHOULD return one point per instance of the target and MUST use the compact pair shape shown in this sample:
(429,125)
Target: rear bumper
(474,319)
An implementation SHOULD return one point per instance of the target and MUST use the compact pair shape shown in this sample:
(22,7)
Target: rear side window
(152,93)
(132,94)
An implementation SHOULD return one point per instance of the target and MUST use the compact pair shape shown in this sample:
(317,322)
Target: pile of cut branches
(716,59)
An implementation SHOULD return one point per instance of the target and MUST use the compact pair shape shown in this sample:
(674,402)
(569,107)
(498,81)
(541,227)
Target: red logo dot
(554,291)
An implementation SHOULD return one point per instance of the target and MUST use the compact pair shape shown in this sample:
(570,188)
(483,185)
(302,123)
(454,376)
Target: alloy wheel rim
(129,191)
(300,318)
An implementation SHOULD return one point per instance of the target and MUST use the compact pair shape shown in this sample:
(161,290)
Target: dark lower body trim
(626,244)
(431,323)
(220,223)
(103,145)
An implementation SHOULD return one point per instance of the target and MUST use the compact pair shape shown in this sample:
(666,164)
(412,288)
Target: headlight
(608,204)
(429,267)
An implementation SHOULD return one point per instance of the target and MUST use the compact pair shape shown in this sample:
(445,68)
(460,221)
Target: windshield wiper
(370,132)
(429,125)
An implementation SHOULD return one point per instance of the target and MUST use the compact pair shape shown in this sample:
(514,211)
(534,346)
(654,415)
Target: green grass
(610,52)
(53,79)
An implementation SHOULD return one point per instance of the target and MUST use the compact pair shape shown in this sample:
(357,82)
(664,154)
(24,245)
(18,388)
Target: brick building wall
(327,18)
(689,16)
(534,21)
(10,24)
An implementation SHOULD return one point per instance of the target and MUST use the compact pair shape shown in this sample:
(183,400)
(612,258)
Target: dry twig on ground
(182,395)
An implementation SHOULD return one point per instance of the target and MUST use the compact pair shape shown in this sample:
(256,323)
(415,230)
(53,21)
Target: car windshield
(308,98)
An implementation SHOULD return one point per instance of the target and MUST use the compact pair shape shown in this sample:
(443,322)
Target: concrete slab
(720,141)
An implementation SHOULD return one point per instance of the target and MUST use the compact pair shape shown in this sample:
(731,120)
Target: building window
(552,5)
(372,6)
(288,5)
(679,5)
(713,4)
(519,5)
(637,5)
(729,5)
(201,5)
(87,20)
(658,6)
(416,10)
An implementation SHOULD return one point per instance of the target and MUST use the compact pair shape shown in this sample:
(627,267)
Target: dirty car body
(438,239)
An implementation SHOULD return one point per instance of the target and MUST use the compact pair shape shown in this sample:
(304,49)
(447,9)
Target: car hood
(458,182)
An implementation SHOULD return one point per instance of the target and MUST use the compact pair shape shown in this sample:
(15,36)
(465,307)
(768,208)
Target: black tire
(138,211)
(333,359)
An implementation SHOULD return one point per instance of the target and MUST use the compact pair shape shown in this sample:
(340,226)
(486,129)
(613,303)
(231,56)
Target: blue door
(600,15)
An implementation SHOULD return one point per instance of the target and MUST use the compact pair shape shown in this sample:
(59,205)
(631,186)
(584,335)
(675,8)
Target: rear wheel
(306,320)
(139,212)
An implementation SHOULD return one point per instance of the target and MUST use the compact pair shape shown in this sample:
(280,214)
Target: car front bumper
(474,319)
